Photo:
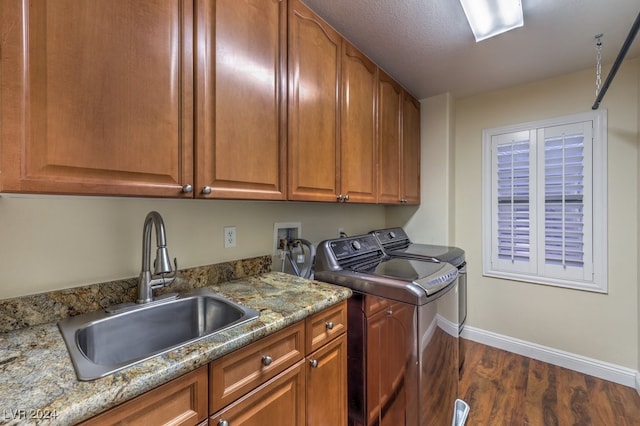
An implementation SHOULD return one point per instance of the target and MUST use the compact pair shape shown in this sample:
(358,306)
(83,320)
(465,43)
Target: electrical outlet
(340,232)
(229,236)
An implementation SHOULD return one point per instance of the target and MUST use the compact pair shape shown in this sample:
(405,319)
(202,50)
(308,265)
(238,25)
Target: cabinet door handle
(206,190)
(340,197)
(267,360)
(329,325)
(346,197)
(223,422)
(187,189)
(313,363)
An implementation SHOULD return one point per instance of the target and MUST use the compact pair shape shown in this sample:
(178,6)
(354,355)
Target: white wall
(49,243)
(603,327)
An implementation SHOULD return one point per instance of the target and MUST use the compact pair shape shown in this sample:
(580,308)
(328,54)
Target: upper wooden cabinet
(93,104)
(241,108)
(314,106)
(232,99)
(399,144)
(410,149)
(358,144)
(389,139)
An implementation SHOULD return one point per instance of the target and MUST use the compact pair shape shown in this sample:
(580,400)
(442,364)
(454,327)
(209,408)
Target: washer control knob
(356,245)
(392,234)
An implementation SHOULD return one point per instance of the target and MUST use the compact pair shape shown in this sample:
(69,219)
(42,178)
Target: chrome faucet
(163,274)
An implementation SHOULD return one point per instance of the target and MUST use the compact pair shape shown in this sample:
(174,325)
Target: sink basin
(104,342)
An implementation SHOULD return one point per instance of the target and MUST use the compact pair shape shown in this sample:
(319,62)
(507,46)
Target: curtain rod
(619,59)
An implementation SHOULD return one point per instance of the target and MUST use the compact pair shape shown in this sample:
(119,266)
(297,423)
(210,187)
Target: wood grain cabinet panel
(410,149)
(241,110)
(358,143)
(324,326)
(389,139)
(90,103)
(314,106)
(182,401)
(326,384)
(280,401)
(241,371)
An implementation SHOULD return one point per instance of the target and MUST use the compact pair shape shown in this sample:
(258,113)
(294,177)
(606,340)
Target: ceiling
(428,47)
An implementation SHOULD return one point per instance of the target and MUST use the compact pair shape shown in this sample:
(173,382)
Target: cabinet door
(386,369)
(280,401)
(358,144)
(241,111)
(314,110)
(410,149)
(182,401)
(327,384)
(389,139)
(97,96)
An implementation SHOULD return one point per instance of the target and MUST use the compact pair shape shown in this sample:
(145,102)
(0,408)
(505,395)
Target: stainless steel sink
(104,342)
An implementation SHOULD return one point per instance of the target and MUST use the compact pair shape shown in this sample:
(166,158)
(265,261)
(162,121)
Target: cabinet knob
(313,363)
(267,360)
(187,189)
(329,325)
(206,190)
(346,197)
(340,197)
(223,422)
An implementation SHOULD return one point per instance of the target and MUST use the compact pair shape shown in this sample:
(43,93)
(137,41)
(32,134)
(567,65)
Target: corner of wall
(432,222)
(638,236)
(451,104)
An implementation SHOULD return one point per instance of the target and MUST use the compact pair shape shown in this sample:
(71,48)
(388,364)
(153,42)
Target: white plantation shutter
(567,209)
(540,183)
(512,200)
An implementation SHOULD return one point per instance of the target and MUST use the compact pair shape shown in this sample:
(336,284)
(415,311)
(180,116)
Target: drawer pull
(313,363)
(267,360)
(329,325)
(223,422)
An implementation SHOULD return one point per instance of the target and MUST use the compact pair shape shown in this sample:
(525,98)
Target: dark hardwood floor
(503,388)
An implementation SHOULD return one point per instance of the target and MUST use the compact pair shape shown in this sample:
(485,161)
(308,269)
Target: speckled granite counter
(37,377)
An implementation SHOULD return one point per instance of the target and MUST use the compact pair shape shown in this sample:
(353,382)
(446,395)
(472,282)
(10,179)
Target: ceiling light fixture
(489,18)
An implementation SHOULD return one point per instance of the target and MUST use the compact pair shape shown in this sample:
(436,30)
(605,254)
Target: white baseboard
(604,370)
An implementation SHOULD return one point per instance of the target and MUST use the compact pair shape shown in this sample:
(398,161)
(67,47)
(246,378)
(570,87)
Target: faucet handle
(163,279)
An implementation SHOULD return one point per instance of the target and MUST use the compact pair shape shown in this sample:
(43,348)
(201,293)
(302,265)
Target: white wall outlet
(340,232)
(229,236)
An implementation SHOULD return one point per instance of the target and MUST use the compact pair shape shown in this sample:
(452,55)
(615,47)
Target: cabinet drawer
(241,371)
(182,401)
(325,326)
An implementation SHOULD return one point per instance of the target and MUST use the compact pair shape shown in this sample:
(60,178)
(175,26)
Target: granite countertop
(37,378)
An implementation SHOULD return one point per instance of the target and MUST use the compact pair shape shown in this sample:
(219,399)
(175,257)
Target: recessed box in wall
(285,231)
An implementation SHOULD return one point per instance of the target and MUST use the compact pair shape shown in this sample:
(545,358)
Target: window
(544,201)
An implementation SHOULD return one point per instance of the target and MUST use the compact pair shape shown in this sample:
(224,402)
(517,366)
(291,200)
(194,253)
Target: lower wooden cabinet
(293,377)
(182,401)
(326,384)
(280,401)
(258,384)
